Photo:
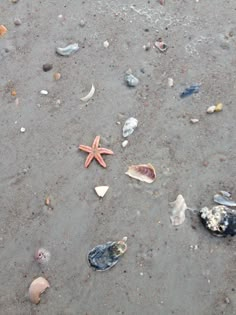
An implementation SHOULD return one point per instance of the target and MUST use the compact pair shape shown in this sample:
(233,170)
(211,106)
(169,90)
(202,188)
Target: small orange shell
(37,287)
(143,172)
(3,30)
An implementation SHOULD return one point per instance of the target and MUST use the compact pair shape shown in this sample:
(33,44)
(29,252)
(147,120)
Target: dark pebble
(47,67)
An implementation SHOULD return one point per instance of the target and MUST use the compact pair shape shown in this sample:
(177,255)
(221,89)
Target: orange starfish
(95,152)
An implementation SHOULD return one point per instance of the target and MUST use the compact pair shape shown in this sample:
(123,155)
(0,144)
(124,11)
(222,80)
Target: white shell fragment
(106,44)
(37,287)
(101,190)
(131,80)
(211,109)
(129,126)
(124,143)
(170,82)
(143,172)
(68,50)
(44,92)
(89,95)
(178,212)
(194,120)
(22,129)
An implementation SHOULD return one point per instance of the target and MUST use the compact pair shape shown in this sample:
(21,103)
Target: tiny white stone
(106,44)
(58,102)
(101,190)
(141,273)
(170,82)
(124,143)
(22,129)
(44,92)
(211,109)
(194,120)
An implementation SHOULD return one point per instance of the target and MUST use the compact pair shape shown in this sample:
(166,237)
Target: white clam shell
(101,190)
(37,287)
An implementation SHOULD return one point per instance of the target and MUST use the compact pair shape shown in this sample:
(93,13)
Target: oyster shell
(143,172)
(219,220)
(105,256)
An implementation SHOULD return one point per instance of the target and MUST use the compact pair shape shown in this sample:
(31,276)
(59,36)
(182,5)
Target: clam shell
(37,287)
(143,172)
(101,190)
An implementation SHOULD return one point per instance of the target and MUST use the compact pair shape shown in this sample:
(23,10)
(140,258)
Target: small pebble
(17,22)
(58,102)
(219,107)
(82,23)
(106,44)
(211,109)
(56,76)
(194,120)
(3,30)
(44,92)
(14,1)
(170,82)
(13,92)
(47,67)
(22,129)
(125,143)
(147,47)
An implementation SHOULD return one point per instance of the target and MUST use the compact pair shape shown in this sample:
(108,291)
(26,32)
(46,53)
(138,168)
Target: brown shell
(143,172)
(37,287)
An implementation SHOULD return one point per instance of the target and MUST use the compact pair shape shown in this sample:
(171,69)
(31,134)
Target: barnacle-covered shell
(143,172)
(105,256)
(37,287)
(219,220)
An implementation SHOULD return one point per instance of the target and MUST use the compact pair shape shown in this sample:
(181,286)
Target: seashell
(101,190)
(219,107)
(178,212)
(193,89)
(219,220)
(131,80)
(42,256)
(194,120)
(143,172)
(68,50)
(44,92)
(129,126)
(106,44)
(161,45)
(224,200)
(89,95)
(124,143)
(211,109)
(37,287)
(105,256)
(3,30)
(56,76)
(22,129)
(170,82)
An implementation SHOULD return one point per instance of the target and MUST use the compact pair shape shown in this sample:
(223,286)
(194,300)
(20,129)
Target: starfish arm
(96,142)
(88,160)
(85,148)
(105,151)
(100,160)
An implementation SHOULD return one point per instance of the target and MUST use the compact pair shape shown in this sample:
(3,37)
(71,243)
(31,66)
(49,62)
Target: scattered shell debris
(68,50)
(105,256)
(44,92)
(170,82)
(143,172)
(3,30)
(42,256)
(224,198)
(194,120)
(161,45)
(129,126)
(178,212)
(37,287)
(101,190)
(130,79)
(124,143)
(106,44)
(89,95)
(219,220)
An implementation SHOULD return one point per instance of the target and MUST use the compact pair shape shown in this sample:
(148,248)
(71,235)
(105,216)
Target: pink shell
(143,172)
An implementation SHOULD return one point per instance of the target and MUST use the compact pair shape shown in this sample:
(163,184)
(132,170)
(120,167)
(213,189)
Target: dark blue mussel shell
(190,90)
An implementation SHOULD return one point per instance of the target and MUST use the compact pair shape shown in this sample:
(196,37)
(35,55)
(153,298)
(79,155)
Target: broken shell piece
(129,126)
(89,95)
(101,190)
(161,45)
(211,109)
(124,143)
(106,44)
(219,220)
(22,129)
(68,50)
(219,107)
(105,256)
(224,200)
(194,120)
(42,256)
(37,287)
(170,82)
(143,172)
(44,92)
(131,80)
(3,30)
(178,212)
